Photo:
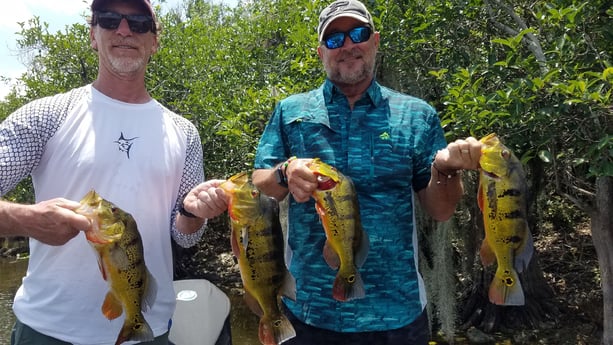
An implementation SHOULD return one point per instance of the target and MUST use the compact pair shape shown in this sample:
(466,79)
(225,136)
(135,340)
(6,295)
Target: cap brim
(341,15)
(96,5)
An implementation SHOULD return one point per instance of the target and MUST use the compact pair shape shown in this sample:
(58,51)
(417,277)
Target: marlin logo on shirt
(124,144)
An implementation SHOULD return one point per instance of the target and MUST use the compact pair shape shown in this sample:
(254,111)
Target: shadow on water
(11,273)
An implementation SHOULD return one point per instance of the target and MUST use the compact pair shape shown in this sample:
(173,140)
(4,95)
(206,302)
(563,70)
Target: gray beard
(126,65)
(351,78)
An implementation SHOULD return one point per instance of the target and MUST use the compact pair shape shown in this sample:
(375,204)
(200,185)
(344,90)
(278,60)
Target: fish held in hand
(502,200)
(114,236)
(347,243)
(258,244)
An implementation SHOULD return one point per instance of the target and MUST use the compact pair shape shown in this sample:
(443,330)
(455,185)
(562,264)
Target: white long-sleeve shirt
(141,157)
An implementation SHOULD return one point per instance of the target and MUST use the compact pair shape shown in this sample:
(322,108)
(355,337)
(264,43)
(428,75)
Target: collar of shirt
(373,93)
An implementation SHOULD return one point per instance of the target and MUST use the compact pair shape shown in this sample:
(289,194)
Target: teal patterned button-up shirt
(385,145)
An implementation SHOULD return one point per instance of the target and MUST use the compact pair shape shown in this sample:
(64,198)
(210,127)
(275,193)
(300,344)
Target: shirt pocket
(311,138)
(383,161)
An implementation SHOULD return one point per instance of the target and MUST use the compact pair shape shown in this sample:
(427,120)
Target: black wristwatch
(280,176)
(183,211)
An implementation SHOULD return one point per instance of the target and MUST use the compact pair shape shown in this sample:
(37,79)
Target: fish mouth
(325,183)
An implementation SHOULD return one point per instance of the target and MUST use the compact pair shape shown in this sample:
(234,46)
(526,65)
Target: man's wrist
(443,175)
(183,211)
(281,172)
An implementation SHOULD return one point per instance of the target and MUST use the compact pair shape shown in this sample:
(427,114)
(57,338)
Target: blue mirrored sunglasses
(138,23)
(357,35)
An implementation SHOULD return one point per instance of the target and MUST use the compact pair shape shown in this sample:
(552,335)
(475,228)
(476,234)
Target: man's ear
(92,39)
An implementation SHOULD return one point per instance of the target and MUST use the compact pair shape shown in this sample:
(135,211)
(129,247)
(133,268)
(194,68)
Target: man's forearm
(266,182)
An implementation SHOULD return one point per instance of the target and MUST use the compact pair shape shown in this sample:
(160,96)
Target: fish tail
(274,331)
(506,289)
(137,329)
(348,286)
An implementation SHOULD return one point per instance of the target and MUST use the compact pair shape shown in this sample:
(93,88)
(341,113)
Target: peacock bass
(502,200)
(258,244)
(347,243)
(132,289)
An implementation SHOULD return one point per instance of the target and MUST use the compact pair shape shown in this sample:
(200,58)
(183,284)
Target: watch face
(280,176)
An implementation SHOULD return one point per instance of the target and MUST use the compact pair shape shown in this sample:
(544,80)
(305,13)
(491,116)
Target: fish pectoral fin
(111,307)
(234,244)
(487,254)
(245,237)
(253,304)
(99,257)
(119,258)
(331,257)
(151,291)
(321,211)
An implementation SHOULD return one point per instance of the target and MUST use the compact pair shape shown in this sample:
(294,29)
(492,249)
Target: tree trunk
(602,235)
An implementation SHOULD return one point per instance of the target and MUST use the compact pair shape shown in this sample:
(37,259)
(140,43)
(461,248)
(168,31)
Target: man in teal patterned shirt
(392,146)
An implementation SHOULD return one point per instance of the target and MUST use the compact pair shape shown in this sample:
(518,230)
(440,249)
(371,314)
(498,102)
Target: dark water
(11,272)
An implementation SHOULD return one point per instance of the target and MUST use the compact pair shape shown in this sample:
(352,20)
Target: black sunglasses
(138,23)
(357,35)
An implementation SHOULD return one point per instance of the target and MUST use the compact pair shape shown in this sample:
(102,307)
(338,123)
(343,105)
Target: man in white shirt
(110,136)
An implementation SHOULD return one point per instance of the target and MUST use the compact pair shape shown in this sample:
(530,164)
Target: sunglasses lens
(357,35)
(108,20)
(335,40)
(140,24)
(137,23)
(360,34)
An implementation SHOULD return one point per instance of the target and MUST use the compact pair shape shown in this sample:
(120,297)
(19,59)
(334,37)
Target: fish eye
(505,153)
